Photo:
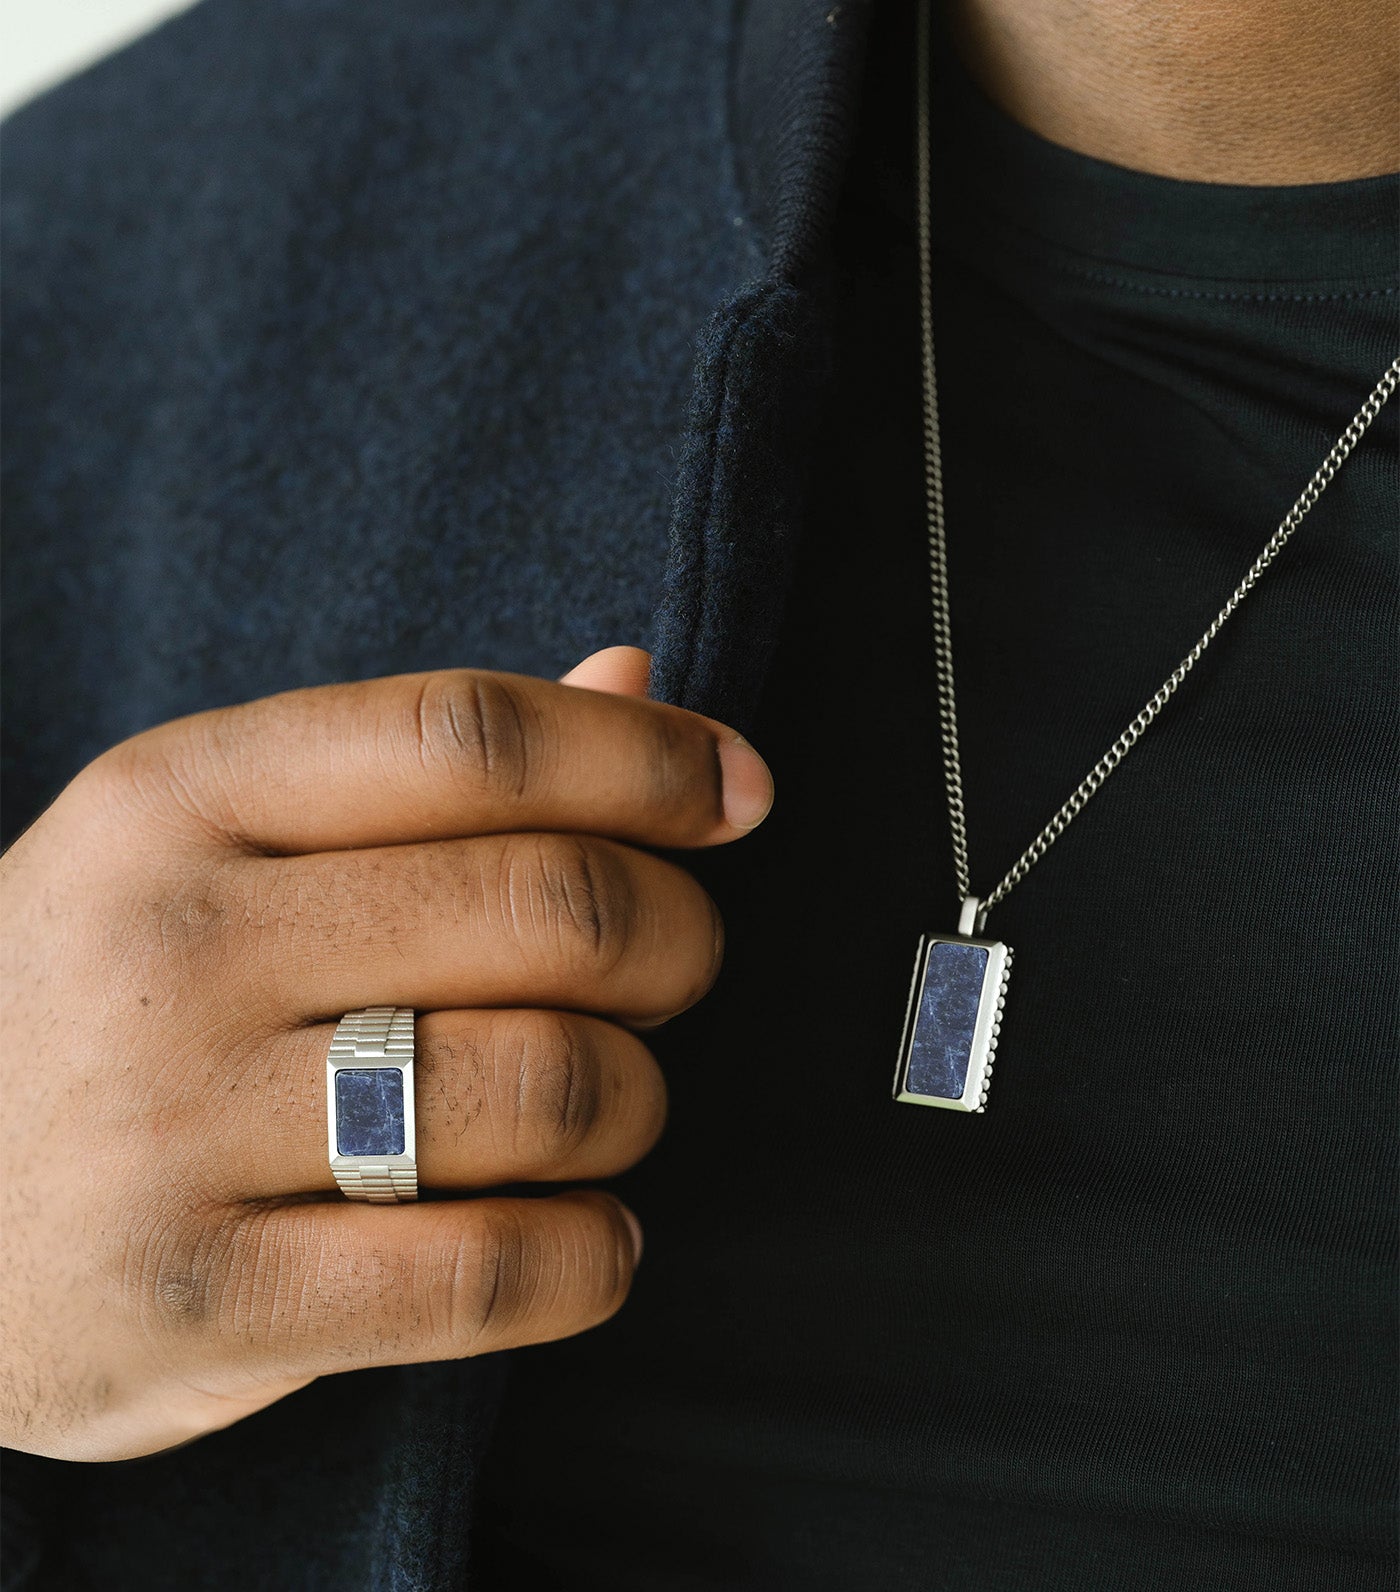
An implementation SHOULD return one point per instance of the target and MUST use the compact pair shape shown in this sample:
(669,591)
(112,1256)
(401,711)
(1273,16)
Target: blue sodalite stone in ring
(945,1020)
(369,1111)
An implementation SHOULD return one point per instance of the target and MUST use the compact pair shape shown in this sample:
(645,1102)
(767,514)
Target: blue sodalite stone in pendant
(945,1020)
(369,1111)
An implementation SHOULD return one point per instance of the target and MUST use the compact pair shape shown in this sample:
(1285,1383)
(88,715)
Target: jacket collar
(794,92)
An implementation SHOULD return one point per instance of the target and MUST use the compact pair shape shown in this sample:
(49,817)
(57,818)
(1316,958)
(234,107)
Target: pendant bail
(973,917)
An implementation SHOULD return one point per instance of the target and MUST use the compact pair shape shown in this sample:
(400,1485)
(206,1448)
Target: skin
(185,924)
(183,927)
(1230,91)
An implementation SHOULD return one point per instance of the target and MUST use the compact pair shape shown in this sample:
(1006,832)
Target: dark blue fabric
(1133,1329)
(345,338)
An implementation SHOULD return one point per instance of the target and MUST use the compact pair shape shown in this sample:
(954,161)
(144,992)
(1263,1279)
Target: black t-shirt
(1133,1327)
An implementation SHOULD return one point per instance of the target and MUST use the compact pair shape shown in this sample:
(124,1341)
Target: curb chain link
(938,559)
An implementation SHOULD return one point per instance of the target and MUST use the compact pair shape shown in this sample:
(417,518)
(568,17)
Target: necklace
(959,986)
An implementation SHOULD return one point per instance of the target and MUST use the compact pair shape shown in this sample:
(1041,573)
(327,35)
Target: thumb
(620,671)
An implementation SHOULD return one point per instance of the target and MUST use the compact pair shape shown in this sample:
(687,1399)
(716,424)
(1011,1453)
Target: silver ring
(369,1105)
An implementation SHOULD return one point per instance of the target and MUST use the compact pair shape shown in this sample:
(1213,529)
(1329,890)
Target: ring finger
(501,1096)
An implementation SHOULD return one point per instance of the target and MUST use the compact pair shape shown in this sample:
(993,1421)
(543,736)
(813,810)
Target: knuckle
(476,722)
(127,783)
(193,926)
(489,1290)
(106,781)
(172,779)
(183,1292)
(587,896)
(182,927)
(177,1274)
(559,1083)
(170,930)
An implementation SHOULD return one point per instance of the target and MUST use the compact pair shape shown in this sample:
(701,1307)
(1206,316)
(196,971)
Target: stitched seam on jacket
(740,316)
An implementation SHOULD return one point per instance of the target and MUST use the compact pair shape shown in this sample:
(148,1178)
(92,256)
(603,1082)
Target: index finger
(449,754)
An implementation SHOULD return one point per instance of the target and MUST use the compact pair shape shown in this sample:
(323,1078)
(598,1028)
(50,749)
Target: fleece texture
(346,337)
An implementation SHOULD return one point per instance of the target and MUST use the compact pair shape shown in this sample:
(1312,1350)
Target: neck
(1229,91)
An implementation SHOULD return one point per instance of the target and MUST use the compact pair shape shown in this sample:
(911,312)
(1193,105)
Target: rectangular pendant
(953,1020)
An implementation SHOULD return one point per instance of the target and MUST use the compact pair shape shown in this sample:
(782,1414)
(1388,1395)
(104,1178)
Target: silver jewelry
(369,1104)
(959,986)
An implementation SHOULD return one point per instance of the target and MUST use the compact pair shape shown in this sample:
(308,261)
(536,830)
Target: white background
(44,41)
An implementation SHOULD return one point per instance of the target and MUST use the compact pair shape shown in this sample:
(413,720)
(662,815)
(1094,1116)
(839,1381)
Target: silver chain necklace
(959,986)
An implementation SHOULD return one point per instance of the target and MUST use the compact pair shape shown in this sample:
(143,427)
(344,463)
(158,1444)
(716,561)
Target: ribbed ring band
(369,1105)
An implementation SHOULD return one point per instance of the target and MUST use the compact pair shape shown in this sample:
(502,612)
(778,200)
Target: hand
(184,926)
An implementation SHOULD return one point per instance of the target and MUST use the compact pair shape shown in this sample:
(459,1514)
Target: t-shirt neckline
(1336,234)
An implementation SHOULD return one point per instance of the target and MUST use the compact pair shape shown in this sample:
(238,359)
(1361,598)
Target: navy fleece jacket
(346,337)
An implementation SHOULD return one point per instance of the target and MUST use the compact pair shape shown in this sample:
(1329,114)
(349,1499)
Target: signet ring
(369,1105)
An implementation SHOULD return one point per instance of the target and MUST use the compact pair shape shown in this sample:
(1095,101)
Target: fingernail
(748,786)
(635,1227)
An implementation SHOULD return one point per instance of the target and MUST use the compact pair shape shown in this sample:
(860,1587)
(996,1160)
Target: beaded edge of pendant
(981,1105)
